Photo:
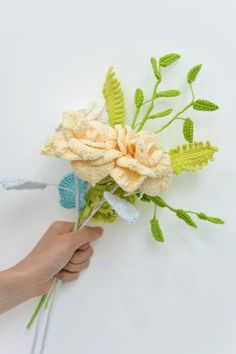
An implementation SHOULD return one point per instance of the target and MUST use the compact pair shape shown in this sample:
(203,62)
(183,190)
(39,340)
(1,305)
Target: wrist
(19,282)
(15,281)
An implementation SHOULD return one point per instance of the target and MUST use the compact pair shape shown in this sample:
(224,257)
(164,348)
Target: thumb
(85,235)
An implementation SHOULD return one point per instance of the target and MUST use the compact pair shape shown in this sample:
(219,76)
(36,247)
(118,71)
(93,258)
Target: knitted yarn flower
(143,164)
(96,150)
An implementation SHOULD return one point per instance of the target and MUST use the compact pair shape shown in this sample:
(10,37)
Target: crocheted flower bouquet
(115,165)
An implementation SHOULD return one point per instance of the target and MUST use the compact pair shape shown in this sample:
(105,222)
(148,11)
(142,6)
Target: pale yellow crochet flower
(96,150)
(143,164)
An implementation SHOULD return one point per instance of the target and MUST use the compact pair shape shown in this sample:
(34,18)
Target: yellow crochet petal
(94,144)
(88,172)
(134,165)
(163,167)
(107,156)
(69,120)
(57,146)
(121,141)
(60,144)
(128,180)
(48,149)
(155,186)
(100,132)
(83,152)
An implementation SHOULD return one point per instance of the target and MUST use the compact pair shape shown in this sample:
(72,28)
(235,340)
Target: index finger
(85,235)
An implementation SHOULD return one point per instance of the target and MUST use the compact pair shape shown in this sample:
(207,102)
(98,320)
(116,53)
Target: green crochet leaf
(156,230)
(212,219)
(168,59)
(188,128)
(158,201)
(114,99)
(204,105)
(191,157)
(155,69)
(193,72)
(139,97)
(161,114)
(168,93)
(185,217)
(94,196)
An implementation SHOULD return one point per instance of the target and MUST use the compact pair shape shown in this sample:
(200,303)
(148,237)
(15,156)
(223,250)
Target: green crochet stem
(150,108)
(175,117)
(136,116)
(51,293)
(36,312)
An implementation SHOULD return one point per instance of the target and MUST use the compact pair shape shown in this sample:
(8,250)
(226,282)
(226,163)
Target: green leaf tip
(193,72)
(114,99)
(212,219)
(155,68)
(168,93)
(168,59)
(139,97)
(188,130)
(183,215)
(204,105)
(191,157)
(156,230)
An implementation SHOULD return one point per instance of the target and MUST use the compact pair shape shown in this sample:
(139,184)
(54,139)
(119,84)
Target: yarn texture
(191,157)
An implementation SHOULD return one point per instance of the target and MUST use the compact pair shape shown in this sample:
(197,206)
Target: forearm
(14,288)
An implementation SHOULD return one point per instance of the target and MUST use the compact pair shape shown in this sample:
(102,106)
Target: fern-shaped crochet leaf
(114,99)
(191,157)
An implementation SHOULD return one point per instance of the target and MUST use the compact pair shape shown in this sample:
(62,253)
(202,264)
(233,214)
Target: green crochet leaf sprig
(188,157)
(196,104)
(184,215)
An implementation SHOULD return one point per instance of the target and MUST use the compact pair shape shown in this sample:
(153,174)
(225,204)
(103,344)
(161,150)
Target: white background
(138,296)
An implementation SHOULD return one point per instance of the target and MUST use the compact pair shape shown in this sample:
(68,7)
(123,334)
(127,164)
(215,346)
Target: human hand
(60,253)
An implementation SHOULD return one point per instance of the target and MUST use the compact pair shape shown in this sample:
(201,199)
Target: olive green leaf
(212,219)
(193,72)
(114,99)
(168,59)
(168,93)
(191,157)
(185,217)
(145,198)
(156,230)
(155,68)
(161,114)
(139,97)
(204,105)
(158,201)
(188,129)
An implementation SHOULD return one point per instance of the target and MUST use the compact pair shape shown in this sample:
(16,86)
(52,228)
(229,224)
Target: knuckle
(89,233)
(61,226)
(54,224)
